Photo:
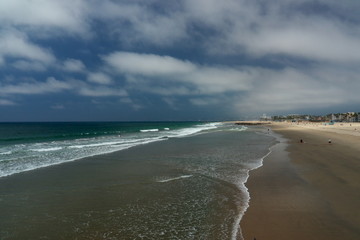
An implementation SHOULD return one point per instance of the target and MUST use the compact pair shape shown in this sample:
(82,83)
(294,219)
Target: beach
(185,183)
(308,190)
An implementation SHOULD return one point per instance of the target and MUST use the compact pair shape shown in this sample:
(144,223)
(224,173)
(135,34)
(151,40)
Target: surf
(44,148)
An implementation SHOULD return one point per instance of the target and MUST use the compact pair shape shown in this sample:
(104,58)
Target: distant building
(264,117)
(351,117)
(333,117)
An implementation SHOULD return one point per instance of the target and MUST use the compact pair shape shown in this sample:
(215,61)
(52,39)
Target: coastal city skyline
(330,117)
(177,60)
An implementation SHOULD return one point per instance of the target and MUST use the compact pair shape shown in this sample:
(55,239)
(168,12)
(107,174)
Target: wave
(96,144)
(46,149)
(22,157)
(149,130)
(6,153)
(173,179)
(242,128)
(197,129)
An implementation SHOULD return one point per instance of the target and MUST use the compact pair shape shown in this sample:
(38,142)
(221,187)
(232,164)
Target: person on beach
(301,141)
(329,140)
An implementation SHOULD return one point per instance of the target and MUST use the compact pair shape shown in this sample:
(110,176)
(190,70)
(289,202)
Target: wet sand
(308,190)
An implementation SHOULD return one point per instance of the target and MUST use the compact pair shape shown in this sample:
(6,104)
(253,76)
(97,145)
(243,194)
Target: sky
(152,60)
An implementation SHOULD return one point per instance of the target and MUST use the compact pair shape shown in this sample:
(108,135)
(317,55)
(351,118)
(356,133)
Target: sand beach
(308,190)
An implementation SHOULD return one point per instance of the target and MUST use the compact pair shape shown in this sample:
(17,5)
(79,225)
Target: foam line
(173,179)
(46,149)
(149,130)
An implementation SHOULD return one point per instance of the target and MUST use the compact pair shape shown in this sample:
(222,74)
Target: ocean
(133,180)
(28,146)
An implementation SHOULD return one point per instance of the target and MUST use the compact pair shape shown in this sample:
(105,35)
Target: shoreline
(306,190)
(239,230)
(58,200)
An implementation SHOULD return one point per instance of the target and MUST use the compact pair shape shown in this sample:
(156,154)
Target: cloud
(310,30)
(154,70)
(204,101)
(296,29)
(58,107)
(102,92)
(130,102)
(73,65)
(128,21)
(321,30)
(29,66)
(147,64)
(15,44)
(45,16)
(294,89)
(253,55)
(171,102)
(222,79)
(51,85)
(159,87)
(161,30)
(99,77)
(307,38)
(247,89)
(5,102)
(152,22)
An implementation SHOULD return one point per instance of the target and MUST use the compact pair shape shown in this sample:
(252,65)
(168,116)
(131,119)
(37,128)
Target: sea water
(144,181)
(28,146)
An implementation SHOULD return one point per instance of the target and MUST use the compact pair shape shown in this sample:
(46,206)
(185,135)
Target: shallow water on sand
(182,188)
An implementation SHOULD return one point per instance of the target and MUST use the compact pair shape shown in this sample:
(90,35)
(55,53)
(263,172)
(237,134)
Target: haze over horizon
(104,60)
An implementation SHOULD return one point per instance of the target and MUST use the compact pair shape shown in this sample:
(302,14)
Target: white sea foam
(47,149)
(6,153)
(96,144)
(173,179)
(166,129)
(194,130)
(242,128)
(149,130)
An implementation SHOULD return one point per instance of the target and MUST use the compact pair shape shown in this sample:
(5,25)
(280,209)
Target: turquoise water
(171,181)
(11,133)
(28,146)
